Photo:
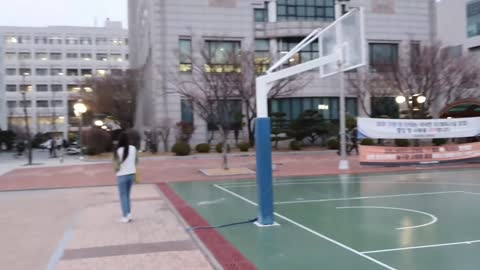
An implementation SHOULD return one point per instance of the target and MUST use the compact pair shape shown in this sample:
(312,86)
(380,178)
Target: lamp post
(415,102)
(80,108)
(25,114)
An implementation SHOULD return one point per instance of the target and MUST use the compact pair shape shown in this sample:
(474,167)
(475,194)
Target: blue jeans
(125,183)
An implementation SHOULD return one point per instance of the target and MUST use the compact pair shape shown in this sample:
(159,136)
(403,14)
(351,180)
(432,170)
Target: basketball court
(425,220)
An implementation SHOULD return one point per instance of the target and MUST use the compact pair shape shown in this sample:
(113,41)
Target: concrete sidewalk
(78,229)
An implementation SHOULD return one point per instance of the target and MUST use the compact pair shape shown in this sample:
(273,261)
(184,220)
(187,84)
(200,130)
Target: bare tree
(432,72)
(113,95)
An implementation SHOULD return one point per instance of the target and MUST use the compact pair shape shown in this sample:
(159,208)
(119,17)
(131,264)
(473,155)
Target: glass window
(11,71)
(25,72)
(231,110)
(71,41)
(185,55)
(328,106)
(72,55)
(101,72)
(116,41)
(116,72)
(11,104)
(10,56)
(41,56)
(384,107)
(86,41)
(73,88)
(41,40)
(72,72)
(57,88)
(86,56)
(383,56)
(11,40)
(24,55)
(187,111)
(262,55)
(57,103)
(473,19)
(260,14)
(42,103)
(41,72)
(56,56)
(11,88)
(102,57)
(101,41)
(27,104)
(24,40)
(42,88)
(56,72)
(306,54)
(306,10)
(116,57)
(222,55)
(26,87)
(87,72)
(54,40)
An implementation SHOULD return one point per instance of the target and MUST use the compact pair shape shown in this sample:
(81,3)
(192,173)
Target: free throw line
(311,231)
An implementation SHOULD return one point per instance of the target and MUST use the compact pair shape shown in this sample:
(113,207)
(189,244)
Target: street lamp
(79,109)
(98,123)
(25,113)
(415,101)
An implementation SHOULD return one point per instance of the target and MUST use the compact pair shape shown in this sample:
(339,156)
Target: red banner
(383,155)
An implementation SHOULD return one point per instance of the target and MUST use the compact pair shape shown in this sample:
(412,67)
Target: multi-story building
(49,64)
(159,30)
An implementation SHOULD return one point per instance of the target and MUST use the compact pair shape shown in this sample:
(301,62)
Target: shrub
(402,142)
(367,141)
(296,145)
(243,146)
(184,131)
(333,144)
(181,149)
(439,141)
(7,137)
(96,141)
(219,148)
(203,148)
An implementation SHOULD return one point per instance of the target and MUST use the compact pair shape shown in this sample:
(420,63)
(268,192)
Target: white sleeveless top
(128,166)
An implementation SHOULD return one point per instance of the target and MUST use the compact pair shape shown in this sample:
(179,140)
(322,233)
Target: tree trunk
(224,148)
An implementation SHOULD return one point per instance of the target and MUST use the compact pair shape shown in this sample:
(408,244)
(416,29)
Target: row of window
(12,104)
(12,56)
(299,10)
(473,19)
(60,72)
(46,88)
(65,40)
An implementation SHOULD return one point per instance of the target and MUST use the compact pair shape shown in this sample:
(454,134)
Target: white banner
(377,128)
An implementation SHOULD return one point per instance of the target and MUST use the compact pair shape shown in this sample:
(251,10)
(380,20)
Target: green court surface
(409,221)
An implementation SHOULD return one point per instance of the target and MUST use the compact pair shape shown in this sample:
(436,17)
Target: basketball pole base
(343,165)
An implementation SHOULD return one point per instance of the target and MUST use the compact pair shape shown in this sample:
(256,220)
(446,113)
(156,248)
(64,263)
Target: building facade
(161,31)
(49,65)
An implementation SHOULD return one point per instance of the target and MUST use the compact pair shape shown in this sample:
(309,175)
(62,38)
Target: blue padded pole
(263,146)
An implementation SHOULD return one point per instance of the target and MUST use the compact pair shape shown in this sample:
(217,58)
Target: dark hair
(122,142)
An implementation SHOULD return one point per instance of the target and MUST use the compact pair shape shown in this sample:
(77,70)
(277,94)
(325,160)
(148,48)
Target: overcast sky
(61,12)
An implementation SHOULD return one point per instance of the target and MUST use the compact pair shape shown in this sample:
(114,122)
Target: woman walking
(125,158)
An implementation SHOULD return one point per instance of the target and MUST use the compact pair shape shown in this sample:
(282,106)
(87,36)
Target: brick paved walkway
(187,169)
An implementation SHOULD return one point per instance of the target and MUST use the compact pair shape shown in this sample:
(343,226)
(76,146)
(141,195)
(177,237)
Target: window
(25,72)
(116,41)
(126,41)
(55,40)
(187,111)
(116,57)
(11,88)
(262,55)
(26,88)
(231,111)
(73,88)
(57,88)
(42,88)
(185,56)
(72,72)
(102,57)
(11,71)
(260,15)
(87,72)
(72,55)
(24,56)
(41,56)
(11,104)
(86,41)
(27,104)
(24,40)
(56,72)
(101,72)
(473,19)
(86,56)
(101,41)
(9,56)
(57,103)
(56,56)
(308,53)
(11,40)
(41,40)
(116,72)
(71,41)
(41,72)
(221,54)
(328,106)
(42,103)
(295,10)
(384,107)
(383,56)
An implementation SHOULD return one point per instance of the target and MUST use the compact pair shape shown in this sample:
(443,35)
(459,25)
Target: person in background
(125,161)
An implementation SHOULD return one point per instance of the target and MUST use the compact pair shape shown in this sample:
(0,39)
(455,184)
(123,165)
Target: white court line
(320,179)
(434,218)
(369,197)
(311,231)
(420,247)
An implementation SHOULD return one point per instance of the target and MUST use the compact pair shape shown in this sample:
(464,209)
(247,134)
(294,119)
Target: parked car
(73,150)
